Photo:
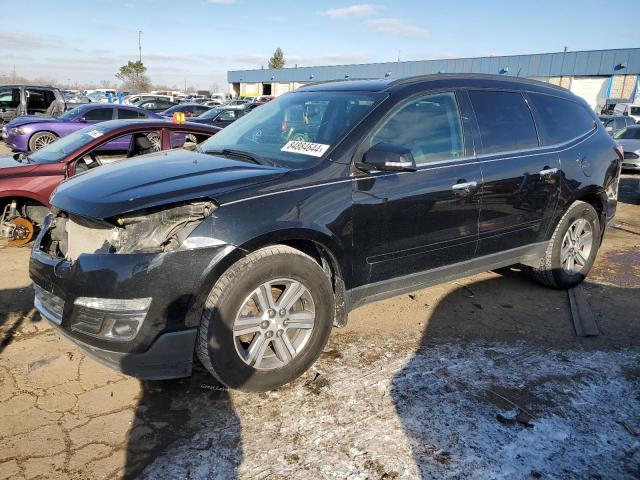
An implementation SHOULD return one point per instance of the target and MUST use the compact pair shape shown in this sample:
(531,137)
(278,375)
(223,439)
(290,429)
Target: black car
(250,249)
(189,110)
(220,117)
(155,105)
(615,123)
(16,100)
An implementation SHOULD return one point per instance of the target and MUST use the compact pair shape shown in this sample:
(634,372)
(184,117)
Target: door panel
(518,201)
(520,180)
(411,222)
(408,222)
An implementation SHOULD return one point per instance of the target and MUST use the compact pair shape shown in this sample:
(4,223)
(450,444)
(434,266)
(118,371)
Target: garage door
(592,89)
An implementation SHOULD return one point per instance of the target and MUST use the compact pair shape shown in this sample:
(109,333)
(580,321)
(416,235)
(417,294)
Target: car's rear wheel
(572,249)
(266,319)
(41,139)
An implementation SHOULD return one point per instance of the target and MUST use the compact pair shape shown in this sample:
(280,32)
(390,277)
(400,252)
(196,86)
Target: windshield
(56,151)
(71,114)
(629,133)
(297,127)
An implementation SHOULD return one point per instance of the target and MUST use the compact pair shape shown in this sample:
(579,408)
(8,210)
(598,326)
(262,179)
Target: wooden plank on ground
(584,321)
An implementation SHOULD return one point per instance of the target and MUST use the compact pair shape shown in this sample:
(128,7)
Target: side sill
(374,292)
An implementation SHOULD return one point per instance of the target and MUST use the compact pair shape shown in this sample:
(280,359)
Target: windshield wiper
(227,152)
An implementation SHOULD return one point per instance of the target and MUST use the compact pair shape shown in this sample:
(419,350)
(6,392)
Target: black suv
(248,250)
(18,100)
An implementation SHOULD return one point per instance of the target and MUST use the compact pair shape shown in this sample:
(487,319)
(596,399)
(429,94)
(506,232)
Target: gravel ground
(481,378)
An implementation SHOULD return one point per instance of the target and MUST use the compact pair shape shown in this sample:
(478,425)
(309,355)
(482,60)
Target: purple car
(30,132)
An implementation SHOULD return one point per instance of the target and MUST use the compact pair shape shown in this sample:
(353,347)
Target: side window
(124,114)
(37,100)
(99,114)
(619,122)
(560,120)
(10,97)
(504,120)
(429,126)
(629,121)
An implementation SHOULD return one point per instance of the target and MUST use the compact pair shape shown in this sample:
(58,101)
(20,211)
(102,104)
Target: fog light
(110,318)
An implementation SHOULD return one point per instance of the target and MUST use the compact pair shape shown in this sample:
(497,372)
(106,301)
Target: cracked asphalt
(480,378)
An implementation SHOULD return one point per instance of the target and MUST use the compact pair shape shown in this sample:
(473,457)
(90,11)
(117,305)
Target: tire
(41,139)
(223,354)
(551,271)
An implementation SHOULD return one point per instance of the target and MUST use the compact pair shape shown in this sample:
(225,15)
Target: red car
(27,181)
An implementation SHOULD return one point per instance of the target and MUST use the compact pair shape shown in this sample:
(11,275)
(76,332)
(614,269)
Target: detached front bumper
(175,282)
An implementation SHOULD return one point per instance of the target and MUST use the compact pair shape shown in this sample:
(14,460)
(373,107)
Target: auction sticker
(305,148)
(95,133)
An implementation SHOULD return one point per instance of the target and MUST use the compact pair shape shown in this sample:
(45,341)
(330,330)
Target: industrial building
(595,75)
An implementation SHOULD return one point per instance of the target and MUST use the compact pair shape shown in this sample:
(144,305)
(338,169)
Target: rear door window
(125,114)
(560,120)
(99,114)
(429,126)
(505,121)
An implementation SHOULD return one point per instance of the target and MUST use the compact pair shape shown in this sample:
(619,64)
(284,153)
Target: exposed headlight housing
(18,131)
(147,231)
(110,318)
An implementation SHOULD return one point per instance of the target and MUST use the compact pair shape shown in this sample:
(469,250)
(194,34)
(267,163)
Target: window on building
(560,120)
(505,121)
(429,126)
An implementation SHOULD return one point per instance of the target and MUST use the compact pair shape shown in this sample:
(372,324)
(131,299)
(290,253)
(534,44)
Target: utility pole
(140,45)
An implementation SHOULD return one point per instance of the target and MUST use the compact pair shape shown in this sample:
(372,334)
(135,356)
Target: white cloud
(398,26)
(358,10)
(221,2)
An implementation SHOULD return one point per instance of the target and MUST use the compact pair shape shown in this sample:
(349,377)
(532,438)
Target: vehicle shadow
(449,401)
(184,428)
(16,313)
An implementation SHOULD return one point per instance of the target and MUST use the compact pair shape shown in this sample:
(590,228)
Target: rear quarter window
(504,120)
(560,120)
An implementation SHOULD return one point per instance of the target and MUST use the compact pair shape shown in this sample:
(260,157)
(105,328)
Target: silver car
(629,138)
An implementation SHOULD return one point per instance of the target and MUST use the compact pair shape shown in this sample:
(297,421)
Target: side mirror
(626,114)
(387,157)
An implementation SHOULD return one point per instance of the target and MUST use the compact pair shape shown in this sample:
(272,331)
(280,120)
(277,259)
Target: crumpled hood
(27,119)
(157,179)
(10,167)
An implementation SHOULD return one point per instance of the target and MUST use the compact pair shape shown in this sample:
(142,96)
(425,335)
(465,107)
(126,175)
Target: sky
(195,42)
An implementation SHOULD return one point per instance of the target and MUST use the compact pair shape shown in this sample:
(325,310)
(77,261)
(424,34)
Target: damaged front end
(147,231)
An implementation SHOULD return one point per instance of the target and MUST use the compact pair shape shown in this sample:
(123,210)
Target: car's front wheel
(41,139)
(572,248)
(266,320)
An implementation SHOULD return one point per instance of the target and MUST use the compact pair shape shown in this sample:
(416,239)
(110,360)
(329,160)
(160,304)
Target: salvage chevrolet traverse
(247,251)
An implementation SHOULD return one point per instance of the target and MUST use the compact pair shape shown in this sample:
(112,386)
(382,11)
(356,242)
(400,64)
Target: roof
(578,63)
(156,123)
(437,81)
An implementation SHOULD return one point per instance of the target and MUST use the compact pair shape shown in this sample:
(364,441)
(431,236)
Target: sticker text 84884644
(305,148)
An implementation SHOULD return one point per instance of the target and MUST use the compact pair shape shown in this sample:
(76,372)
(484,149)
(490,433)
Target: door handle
(464,186)
(545,172)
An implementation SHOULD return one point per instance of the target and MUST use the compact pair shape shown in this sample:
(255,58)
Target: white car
(628,109)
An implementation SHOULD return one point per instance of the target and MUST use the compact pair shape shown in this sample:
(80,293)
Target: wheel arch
(322,248)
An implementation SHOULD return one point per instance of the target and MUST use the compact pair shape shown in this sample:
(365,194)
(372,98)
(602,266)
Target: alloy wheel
(44,140)
(274,324)
(576,246)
